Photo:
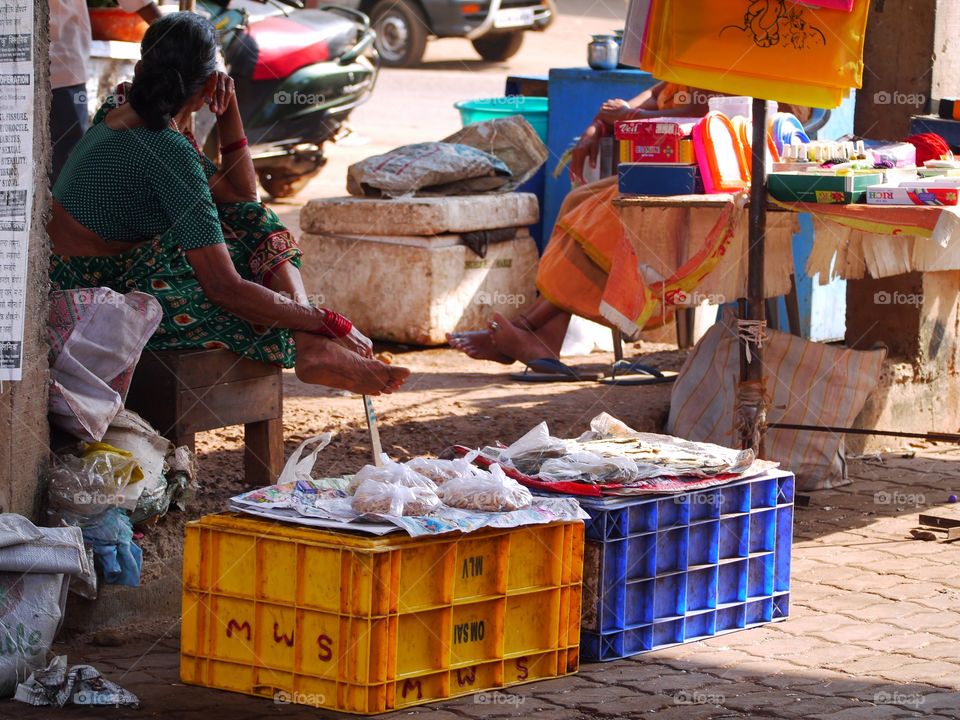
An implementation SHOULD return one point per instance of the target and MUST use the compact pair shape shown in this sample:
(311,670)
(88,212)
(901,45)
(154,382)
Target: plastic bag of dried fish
(588,467)
(489,492)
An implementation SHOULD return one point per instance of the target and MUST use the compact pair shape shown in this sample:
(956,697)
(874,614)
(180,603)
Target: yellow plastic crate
(366,625)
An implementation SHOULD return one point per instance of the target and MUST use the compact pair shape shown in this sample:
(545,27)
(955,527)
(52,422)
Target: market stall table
(667,233)
(903,289)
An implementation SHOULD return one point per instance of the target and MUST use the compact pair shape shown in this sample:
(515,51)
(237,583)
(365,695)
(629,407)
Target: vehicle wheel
(497,47)
(401,32)
(283,185)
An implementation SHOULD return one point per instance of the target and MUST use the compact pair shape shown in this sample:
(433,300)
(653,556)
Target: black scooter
(298,74)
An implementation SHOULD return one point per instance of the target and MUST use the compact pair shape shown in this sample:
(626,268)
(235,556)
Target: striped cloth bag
(807,383)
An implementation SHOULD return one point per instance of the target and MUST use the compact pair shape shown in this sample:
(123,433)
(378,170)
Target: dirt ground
(448,400)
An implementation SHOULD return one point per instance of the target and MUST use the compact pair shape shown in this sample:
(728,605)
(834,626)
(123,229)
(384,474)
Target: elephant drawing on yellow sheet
(772,23)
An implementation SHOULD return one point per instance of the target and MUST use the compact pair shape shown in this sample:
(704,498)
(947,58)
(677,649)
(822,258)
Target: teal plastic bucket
(534,109)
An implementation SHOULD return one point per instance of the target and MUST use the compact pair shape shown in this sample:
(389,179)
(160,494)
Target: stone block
(414,290)
(419,215)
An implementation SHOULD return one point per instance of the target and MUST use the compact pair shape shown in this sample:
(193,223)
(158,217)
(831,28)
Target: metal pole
(752,421)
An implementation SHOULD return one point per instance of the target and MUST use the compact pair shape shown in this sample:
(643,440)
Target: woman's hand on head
(220,92)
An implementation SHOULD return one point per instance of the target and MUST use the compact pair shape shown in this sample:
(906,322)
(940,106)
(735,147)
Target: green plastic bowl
(534,109)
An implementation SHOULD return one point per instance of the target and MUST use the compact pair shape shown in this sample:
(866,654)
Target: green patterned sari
(257,241)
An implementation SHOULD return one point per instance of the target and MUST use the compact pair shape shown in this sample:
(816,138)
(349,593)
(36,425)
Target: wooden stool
(182,392)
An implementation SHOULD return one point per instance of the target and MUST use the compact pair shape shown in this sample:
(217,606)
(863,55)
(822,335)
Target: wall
(945,81)
(899,52)
(24,432)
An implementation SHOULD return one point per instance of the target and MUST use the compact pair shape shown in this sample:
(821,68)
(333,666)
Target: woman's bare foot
(478,344)
(321,361)
(525,345)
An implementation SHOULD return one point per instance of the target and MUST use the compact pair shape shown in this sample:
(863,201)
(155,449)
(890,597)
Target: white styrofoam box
(414,290)
(419,215)
(732,106)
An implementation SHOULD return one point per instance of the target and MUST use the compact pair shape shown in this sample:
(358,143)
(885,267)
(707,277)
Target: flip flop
(636,373)
(546,370)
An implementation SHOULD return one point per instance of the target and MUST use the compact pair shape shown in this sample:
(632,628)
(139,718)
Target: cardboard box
(821,189)
(916,195)
(660,179)
(662,140)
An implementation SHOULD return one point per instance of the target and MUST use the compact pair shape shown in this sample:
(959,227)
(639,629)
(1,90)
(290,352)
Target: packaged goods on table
(494,492)
(613,459)
(383,499)
(662,140)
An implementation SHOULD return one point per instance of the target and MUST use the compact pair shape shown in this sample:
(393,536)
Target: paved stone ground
(873,633)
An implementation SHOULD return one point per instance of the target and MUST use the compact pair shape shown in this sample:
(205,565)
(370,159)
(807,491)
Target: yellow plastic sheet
(775,49)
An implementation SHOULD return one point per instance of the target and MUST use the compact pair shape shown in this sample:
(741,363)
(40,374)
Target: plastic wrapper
(430,168)
(440,471)
(605,426)
(299,466)
(489,492)
(34,564)
(57,685)
(128,431)
(392,473)
(383,498)
(178,489)
(589,467)
(511,139)
(529,452)
(103,477)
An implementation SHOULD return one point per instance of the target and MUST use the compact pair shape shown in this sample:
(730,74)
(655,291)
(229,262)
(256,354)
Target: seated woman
(572,273)
(139,207)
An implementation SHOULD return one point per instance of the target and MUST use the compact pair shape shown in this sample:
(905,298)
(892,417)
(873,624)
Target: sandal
(636,373)
(546,370)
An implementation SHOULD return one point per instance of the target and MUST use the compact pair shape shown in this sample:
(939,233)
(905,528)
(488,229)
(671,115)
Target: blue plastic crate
(666,570)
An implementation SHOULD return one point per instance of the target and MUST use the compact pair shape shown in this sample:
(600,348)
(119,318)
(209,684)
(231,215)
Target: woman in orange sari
(575,265)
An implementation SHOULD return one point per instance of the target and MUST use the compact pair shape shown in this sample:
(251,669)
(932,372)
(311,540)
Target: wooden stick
(932,436)
(374,433)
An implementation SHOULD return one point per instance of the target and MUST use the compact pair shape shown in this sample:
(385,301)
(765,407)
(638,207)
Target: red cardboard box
(654,140)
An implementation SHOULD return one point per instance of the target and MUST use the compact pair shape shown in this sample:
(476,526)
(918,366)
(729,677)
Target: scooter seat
(284,44)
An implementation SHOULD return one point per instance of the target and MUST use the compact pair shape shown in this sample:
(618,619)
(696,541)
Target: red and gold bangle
(334,325)
(238,145)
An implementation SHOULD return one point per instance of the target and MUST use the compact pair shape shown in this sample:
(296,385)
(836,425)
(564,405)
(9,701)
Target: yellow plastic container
(366,625)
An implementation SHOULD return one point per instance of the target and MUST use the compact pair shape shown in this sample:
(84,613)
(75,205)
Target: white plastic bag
(589,467)
(605,426)
(439,471)
(128,431)
(528,453)
(384,498)
(300,468)
(489,492)
(392,473)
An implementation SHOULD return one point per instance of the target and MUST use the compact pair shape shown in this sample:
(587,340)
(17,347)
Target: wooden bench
(183,392)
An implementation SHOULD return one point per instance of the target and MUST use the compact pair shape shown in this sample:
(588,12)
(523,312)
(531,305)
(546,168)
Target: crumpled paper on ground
(58,685)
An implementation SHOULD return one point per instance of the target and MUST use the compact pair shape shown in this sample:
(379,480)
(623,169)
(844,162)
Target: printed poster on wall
(16,176)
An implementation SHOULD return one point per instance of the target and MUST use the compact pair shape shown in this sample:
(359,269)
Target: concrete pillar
(908,59)
(24,432)
(916,316)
